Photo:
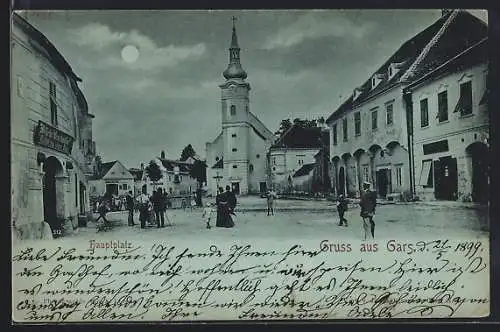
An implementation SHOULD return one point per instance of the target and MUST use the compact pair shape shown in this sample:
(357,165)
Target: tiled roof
(406,54)
(170,164)
(475,54)
(462,33)
(344,108)
(304,170)
(105,167)
(137,173)
(463,30)
(300,138)
(219,163)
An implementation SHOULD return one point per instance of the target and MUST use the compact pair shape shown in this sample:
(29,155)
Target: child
(270,202)
(193,202)
(207,214)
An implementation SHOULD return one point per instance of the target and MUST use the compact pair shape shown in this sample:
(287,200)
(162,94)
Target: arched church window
(250,168)
(233,110)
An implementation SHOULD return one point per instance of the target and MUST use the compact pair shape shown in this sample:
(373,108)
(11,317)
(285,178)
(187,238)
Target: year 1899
(469,248)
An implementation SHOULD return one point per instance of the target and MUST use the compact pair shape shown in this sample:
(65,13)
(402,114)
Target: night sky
(299,64)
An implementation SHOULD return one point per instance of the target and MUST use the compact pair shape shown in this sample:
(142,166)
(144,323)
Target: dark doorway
(82,198)
(51,168)
(236,188)
(383,181)
(445,178)
(263,187)
(111,189)
(478,152)
(341,184)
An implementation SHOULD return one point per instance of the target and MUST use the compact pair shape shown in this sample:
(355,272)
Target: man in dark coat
(130,208)
(368,202)
(231,199)
(342,208)
(158,201)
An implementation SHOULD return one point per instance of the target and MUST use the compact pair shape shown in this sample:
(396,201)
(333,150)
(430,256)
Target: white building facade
(114,179)
(372,133)
(176,179)
(451,129)
(237,156)
(51,138)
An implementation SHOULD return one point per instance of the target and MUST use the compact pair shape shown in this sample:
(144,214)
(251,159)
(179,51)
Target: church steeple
(234,69)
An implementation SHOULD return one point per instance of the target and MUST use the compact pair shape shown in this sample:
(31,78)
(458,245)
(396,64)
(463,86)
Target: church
(238,155)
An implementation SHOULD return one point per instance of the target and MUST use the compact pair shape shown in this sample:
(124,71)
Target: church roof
(304,170)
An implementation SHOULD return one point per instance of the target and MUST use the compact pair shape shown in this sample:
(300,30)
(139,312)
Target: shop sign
(52,138)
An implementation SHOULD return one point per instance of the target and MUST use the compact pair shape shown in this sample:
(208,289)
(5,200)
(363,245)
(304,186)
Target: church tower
(235,120)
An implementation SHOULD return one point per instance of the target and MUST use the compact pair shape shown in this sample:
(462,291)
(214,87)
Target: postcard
(177,165)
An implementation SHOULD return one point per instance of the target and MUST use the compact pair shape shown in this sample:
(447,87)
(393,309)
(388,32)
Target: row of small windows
(389,120)
(234,150)
(464,107)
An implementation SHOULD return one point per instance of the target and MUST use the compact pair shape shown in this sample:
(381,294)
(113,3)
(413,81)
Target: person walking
(270,202)
(130,208)
(102,209)
(157,200)
(165,203)
(368,202)
(342,208)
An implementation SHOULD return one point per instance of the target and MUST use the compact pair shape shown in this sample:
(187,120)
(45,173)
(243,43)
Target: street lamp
(217,179)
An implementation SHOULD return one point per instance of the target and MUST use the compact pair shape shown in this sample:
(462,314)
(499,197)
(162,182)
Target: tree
(153,172)
(284,126)
(187,152)
(198,172)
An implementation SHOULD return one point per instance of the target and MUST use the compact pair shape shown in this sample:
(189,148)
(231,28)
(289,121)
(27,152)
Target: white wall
(460,131)
(31,73)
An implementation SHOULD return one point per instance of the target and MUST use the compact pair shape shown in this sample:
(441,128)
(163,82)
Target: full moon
(130,53)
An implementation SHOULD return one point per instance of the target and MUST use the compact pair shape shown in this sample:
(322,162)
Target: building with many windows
(52,149)
(451,124)
(372,131)
(237,156)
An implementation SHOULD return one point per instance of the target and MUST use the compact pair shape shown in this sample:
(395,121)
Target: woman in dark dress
(219,221)
(223,210)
